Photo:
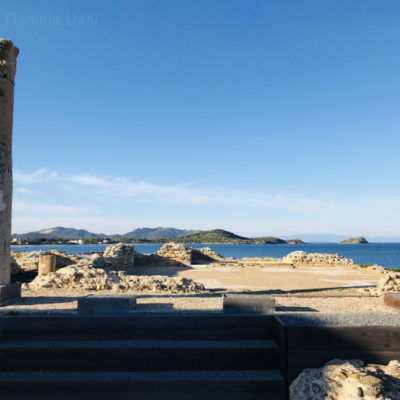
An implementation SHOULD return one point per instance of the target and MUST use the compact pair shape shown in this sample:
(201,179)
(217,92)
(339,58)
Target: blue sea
(385,254)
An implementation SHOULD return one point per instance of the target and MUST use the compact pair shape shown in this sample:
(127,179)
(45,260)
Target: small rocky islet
(355,240)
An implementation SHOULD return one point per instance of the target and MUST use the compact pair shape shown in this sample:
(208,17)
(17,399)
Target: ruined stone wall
(29,261)
(176,252)
(303,259)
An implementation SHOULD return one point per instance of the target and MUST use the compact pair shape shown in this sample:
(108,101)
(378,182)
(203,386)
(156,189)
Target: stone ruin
(352,379)
(303,259)
(98,279)
(176,252)
(98,273)
(28,261)
(120,255)
(388,283)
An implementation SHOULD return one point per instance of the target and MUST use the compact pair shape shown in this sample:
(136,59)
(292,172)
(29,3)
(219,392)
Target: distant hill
(60,232)
(156,233)
(220,236)
(268,240)
(212,236)
(355,240)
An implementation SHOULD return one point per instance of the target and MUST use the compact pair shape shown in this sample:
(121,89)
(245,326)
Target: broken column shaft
(8,56)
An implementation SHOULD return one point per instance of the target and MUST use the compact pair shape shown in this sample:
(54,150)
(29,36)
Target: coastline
(385,254)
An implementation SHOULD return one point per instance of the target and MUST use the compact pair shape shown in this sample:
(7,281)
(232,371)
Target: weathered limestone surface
(176,252)
(205,255)
(120,255)
(347,380)
(389,283)
(97,279)
(29,261)
(303,259)
(8,56)
(94,261)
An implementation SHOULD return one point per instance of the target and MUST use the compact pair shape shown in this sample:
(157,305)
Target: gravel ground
(55,300)
(344,319)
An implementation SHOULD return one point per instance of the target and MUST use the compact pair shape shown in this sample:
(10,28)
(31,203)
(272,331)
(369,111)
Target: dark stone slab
(9,293)
(106,304)
(248,303)
(392,300)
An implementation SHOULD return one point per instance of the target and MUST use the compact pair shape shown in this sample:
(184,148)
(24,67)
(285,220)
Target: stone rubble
(120,255)
(94,261)
(205,255)
(389,283)
(303,259)
(176,252)
(348,380)
(98,279)
(29,261)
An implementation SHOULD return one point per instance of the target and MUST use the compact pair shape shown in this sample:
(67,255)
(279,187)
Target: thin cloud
(23,190)
(109,187)
(21,207)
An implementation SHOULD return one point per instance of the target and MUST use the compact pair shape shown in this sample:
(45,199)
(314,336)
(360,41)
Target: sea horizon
(385,254)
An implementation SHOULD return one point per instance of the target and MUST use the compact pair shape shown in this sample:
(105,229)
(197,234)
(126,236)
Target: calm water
(385,254)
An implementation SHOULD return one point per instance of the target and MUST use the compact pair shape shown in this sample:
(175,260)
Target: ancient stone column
(8,56)
(47,264)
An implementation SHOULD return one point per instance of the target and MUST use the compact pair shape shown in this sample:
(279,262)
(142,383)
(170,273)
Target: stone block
(9,293)
(248,303)
(392,300)
(47,264)
(106,304)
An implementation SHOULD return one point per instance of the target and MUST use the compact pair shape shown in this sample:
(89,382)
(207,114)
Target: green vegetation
(268,240)
(355,240)
(213,236)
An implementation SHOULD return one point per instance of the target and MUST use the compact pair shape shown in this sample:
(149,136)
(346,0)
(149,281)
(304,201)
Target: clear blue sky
(261,117)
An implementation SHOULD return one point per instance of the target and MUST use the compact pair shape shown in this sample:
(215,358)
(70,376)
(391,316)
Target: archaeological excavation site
(186,322)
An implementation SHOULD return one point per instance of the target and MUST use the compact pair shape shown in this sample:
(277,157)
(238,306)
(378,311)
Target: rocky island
(355,240)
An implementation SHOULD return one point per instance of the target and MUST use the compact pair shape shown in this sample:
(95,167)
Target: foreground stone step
(106,304)
(174,385)
(158,326)
(138,355)
(248,303)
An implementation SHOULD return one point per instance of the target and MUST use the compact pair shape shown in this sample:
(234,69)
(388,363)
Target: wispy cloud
(42,175)
(110,187)
(23,190)
(47,208)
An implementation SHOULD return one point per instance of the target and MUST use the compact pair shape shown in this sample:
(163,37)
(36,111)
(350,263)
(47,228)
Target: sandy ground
(328,290)
(276,278)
